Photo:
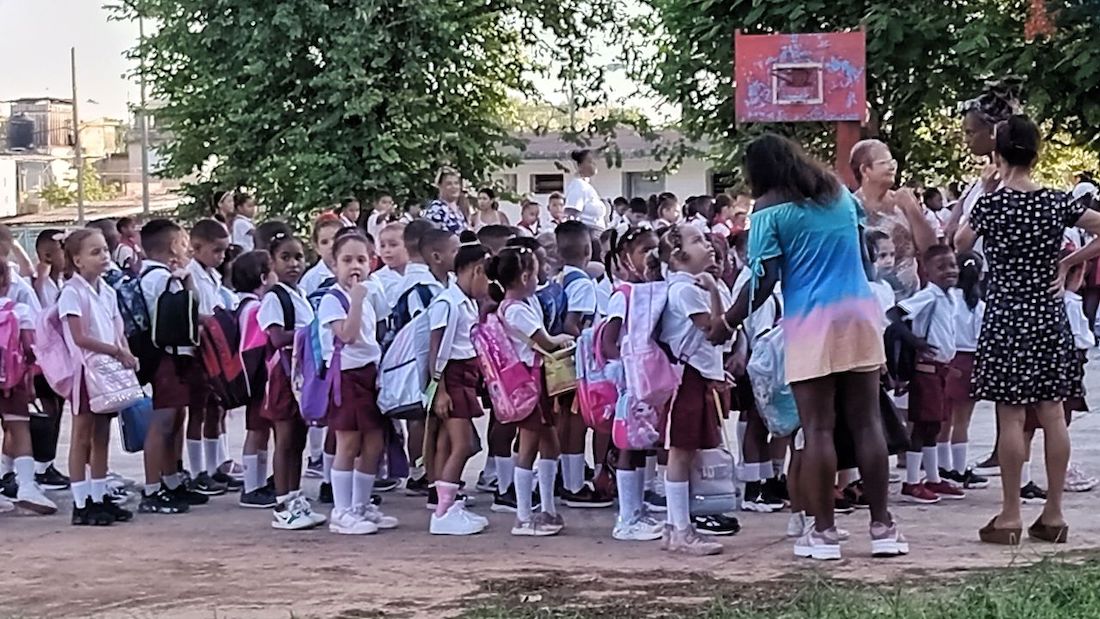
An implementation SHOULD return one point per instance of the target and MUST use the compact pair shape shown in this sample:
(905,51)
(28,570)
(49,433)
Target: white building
(546,167)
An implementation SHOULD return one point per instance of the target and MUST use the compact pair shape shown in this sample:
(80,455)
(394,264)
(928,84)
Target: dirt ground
(224,561)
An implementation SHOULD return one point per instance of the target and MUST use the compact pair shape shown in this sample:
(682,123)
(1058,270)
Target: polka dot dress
(1025,352)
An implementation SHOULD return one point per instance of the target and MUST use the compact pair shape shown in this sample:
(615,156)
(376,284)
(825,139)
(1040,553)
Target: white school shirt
(365,349)
(700,223)
(581,292)
(347,223)
(685,300)
(417,273)
(22,313)
(243,233)
(271,311)
(100,325)
(375,224)
(1083,337)
(208,284)
(933,314)
(455,311)
(242,318)
(886,297)
(582,197)
(525,317)
(153,284)
(763,319)
(22,293)
(603,295)
(51,290)
(968,322)
(390,281)
(314,277)
(616,305)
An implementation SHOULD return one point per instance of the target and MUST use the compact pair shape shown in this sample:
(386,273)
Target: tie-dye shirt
(832,321)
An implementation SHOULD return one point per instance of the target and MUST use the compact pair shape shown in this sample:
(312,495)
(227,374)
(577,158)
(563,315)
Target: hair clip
(279,235)
(470,244)
(518,249)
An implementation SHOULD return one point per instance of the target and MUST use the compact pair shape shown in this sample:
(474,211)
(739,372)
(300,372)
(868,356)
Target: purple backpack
(316,382)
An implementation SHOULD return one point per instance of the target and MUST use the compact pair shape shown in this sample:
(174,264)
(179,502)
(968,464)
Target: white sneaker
(290,518)
(31,498)
(346,522)
(887,541)
(1079,481)
(6,505)
(535,527)
(303,505)
(456,521)
(796,525)
(814,545)
(635,531)
(648,523)
(375,515)
(842,535)
(476,518)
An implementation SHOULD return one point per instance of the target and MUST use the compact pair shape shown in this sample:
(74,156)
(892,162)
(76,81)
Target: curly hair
(999,100)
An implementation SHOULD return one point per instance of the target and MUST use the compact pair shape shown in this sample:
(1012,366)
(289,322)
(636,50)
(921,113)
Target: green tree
(64,193)
(307,101)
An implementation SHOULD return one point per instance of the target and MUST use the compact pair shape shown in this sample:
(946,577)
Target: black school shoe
(8,486)
(417,487)
(183,495)
(52,479)
(506,502)
(232,484)
(206,486)
(386,485)
(92,514)
(325,495)
(260,498)
(162,502)
(716,525)
(110,508)
(586,498)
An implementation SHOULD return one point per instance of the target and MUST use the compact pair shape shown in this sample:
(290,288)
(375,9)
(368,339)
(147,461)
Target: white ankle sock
(80,490)
(98,490)
(41,467)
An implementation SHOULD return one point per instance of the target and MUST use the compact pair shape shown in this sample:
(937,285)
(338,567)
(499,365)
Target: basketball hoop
(797,84)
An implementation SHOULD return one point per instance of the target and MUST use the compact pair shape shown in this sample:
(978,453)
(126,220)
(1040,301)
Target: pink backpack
(513,387)
(13,366)
(57,362)
(598,380)
(651,376)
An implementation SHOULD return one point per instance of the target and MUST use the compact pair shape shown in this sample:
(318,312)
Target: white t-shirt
(154,283)
(416,273)
(271,311)
(582,197)
(968,322)
(581,292)
(685,300)
(887,299)
(51,290)
(208,283)
(375,223)
(243,233)
(937,219)
(100,325)
(365,349)
(603,295)
(390,281)
(22,313)
(525,317)
(314,277)
(22,293)
(459,313)
(933,314)
(616,305)
(1083,337)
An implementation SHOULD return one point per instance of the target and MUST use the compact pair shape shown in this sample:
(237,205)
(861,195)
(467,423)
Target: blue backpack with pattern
(555,302)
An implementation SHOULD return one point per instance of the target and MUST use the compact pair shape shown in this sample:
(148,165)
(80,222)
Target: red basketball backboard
(801,77)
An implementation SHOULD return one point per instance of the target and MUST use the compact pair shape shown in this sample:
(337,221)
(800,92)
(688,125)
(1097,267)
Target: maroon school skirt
(958,380)
(279,401)
(14,403)
(85,407)
(461,379)
(544,415)
(253,416)
(692,422)
(179,382)
(358,408)
(928,395)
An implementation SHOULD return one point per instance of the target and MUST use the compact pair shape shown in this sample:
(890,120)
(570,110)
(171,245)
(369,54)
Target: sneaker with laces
(918,493)
(315,468)
(115,511)
(31,498)
(634,531)
(52,479)
(756,500)
(260,498)
(8,486)
(1078,480)
(205,485)
(232,484)
(91,515)
(1032,494)
(946,490)
(821,546)
(417,487)
(386,485)
(971,480)
(720,525)
(655,501)
(190,497)
(162,502)
(486,482)
(586,498)
(456,521)
(233,469)
(689,542)
(796,524)
(989,467)
(647,520)
(324,495)
(119,496)
(553,521)
(347,522)
(303,506)
(371,513)
(776,488)
(506,503)
(887,541)
(855,495)
(288,517)
(535,527)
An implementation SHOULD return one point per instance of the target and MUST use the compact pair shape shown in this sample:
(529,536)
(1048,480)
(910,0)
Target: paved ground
(224,561)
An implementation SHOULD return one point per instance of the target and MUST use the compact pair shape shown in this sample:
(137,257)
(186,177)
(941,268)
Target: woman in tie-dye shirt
(805,233)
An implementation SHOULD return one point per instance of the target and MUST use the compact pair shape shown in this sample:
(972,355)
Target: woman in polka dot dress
(1025,352)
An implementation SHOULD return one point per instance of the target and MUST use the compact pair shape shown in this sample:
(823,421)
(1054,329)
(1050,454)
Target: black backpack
(175,319)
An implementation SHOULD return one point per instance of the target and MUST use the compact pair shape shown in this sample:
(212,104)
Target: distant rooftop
(42,100)
(630,142)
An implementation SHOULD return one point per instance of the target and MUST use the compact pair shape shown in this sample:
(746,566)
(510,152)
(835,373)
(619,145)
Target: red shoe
(917,493)
(946,490)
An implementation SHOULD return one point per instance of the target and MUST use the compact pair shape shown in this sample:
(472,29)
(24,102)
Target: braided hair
(999,100)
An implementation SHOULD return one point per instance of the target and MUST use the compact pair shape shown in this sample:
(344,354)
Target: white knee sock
(742,427)
(548,473)
(210,455)
(943,455)
(506,472)
(341,489)
(650,472)
(7,464)
(362,489)
(958,457)
(24,470)
(629,501)
(572,471)
(525,482)
(326,467)
(912,467)
(222,454)
(316,442)
(930,456)
(194,456)
(253,476)
(679,505)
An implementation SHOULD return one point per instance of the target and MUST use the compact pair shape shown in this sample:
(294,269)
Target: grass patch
(1051,589)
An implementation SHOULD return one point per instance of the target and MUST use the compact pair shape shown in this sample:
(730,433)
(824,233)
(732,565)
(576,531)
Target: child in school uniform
(176,378)
(933,335)
(284,309)
(354,420)
(91,322)
(452,361)
(1084,339)
(209,242)
(348,212)
(46,428)
(391,249)
(954,439)
(691,423)
(243,229)
(20,304)
(513,277)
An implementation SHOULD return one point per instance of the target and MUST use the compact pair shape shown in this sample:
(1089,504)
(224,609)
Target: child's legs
(1057,449)
(17,437)
(101,445)
(601,444)
(348,445)
(290,439)
(80,447)
(529,447)
(212,421)
(441,451)
(755,448)
(816,406)
(961,414)
(777,451)
(372,443)
(549,447)
(45,429)
(159,455)
(460,433)
(859,393)
(679,464)
(1011,450)
(501,437)
(794,485)
(416,441)
(255,441)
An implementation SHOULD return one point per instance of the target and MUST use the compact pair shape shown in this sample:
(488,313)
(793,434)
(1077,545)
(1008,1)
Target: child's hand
(442,406)
(563,340)
(128,360)
(1058,286)
(358,292)
(706,282)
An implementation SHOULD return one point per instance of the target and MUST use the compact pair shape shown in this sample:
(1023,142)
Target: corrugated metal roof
(93,211)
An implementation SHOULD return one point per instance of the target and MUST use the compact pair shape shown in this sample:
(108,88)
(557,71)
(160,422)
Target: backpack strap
(287,305)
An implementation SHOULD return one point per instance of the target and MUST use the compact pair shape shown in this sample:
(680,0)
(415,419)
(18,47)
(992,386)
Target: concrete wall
(9,196)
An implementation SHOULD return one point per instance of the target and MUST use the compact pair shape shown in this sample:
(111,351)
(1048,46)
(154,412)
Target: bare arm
(348,329)
(923,234)
(765,286)
(965,238)
(83,340)
(434,343)
(609,340)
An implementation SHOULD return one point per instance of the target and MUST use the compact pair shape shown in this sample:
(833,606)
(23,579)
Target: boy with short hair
(556,207)
(45,428)
(128,254)
(495,237)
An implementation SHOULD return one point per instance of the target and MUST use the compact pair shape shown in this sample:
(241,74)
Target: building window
(643,184)
(720,182)
(547,183)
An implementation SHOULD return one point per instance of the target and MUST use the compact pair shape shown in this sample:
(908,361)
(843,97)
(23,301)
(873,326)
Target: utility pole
(144,124)
(78,158)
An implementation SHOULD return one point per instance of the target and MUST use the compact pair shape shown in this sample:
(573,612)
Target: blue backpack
(137,321)
(401,315)
(315,297)
(555,302)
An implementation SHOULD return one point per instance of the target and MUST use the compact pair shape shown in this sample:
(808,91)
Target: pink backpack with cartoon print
(651,375)
(513,387)
(13,366)
(598,380)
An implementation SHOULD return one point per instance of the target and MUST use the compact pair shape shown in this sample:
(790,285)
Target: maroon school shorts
(85,407)
(14,403)
(958,380)
(358,408)
(253,416)
(279,401)
(179,382)
(928,394)
(692,421)
(461,379)
(544,415)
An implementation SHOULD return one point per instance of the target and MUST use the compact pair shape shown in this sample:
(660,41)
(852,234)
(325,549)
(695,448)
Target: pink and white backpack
(598,380)
(13,366)
(651,376)
(58,363)
(513,387)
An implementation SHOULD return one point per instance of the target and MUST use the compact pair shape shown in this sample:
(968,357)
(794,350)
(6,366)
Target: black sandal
(1004,537)
(1047,533)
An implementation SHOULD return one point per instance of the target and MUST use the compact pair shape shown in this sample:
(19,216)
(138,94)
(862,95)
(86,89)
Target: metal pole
(144,125)
(77,157)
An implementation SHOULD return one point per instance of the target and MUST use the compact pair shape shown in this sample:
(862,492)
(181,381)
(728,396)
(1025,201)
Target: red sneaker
(946,490)
(917,493)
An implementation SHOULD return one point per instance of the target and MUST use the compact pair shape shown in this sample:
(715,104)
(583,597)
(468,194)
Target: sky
(35,37)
